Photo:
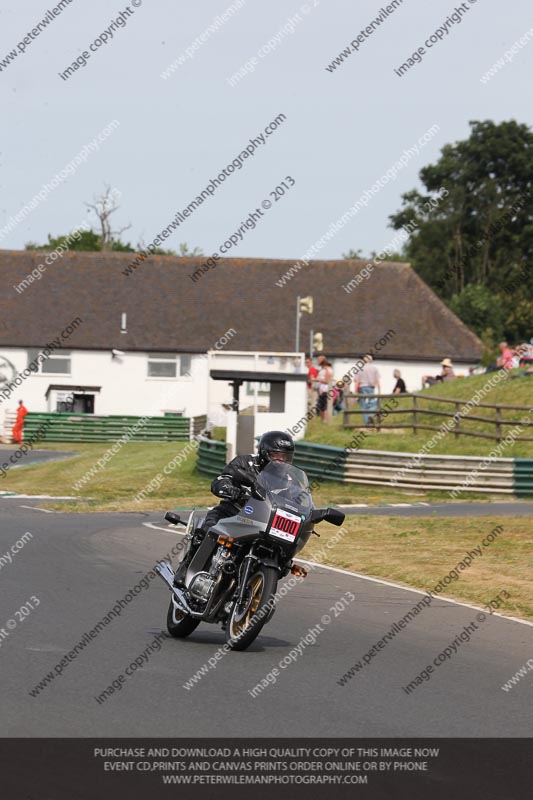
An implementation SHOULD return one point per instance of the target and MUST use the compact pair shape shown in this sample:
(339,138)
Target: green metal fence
(523,477)
(412,471)
(398,470)
(211,457)
(68,427)
(320,461)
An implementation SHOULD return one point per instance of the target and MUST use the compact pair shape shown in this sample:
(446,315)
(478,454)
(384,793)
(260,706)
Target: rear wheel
(246,619)
(179,623)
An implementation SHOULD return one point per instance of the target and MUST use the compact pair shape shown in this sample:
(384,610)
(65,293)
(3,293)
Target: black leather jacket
(230,477)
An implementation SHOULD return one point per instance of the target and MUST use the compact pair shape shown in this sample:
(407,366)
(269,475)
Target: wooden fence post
(457,421)
(377,417)
(415,415)
(498,423)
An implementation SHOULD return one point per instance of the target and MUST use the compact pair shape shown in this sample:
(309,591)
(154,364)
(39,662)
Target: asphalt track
(29,457)
(516,509)
(79,565)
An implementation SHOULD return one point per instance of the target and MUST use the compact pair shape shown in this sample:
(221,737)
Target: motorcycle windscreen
(288,489)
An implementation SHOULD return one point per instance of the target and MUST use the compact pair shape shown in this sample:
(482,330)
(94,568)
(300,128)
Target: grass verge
(416,552)
(137,464)
(420,551)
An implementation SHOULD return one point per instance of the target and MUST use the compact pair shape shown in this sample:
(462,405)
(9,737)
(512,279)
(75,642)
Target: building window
(185,364)
(56,364)
(263,388)
(164,365)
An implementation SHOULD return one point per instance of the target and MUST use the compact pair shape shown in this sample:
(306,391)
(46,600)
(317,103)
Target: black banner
(97,769)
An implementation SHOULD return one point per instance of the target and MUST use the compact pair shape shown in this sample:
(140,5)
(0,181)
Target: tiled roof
(167,311)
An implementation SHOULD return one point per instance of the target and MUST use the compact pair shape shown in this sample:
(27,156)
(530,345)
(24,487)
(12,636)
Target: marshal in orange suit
(19,424)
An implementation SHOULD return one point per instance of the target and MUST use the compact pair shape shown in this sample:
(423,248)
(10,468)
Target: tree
(103,207)
(392,256)
(356,255)
(473,225)
(481,310)
(183,250)
(84,241)
(108,239)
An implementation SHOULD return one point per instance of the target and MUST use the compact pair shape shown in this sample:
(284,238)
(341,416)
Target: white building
(85,335)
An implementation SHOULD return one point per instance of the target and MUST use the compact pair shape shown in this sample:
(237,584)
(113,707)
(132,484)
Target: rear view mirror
(334,516)
(173,518)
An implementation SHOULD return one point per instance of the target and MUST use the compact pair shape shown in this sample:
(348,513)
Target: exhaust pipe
(164,570)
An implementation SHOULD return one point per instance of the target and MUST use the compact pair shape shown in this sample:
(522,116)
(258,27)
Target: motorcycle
(233,575)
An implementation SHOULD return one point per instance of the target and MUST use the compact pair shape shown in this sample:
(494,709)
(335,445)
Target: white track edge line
(380,580)
(36,508)
(417,591)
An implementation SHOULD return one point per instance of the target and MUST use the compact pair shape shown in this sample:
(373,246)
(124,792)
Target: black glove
(232,493)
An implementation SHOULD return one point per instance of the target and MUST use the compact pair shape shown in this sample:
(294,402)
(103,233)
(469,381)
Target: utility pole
(302,304)
(297,347)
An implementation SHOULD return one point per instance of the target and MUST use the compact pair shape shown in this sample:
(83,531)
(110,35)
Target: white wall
(125,385)
(127,389)
(295,409)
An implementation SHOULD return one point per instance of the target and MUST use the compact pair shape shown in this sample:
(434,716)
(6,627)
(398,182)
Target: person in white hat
(447,373)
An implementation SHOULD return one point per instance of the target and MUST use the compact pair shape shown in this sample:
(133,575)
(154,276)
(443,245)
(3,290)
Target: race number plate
(285,525)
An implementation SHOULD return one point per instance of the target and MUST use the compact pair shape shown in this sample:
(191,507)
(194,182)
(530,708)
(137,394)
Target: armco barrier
(444,473)
(69,427)
(211,457)
(523,477)
(320,461)
(413,471)
(6,430)
(395,470)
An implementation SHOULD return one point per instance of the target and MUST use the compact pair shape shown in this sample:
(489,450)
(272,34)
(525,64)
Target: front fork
(249,561)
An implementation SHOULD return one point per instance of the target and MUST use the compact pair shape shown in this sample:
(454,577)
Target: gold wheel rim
(177,614)
(239,625)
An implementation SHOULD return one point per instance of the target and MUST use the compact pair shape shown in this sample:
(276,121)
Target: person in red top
(507,356)
(312,372)
(18,427)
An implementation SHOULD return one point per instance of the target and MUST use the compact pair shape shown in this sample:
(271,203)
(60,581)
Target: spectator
(367,382)
(507,357)
(338,397)
(447,373)
(325,374)
(399,387)
(525,353)
(312,372)
(18,427)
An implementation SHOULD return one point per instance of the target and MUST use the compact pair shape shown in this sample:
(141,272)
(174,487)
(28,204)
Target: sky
(342,130)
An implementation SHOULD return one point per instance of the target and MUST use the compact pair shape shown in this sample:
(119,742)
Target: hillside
(515,391)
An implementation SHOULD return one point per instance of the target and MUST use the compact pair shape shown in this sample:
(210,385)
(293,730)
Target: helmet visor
(280,455)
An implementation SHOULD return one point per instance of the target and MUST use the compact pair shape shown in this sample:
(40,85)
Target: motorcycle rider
(273,446)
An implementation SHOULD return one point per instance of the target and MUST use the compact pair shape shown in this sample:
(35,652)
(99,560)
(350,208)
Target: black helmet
(275,446)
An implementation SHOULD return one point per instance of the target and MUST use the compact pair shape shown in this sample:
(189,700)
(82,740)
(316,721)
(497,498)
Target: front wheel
(246,619)
(180,624)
